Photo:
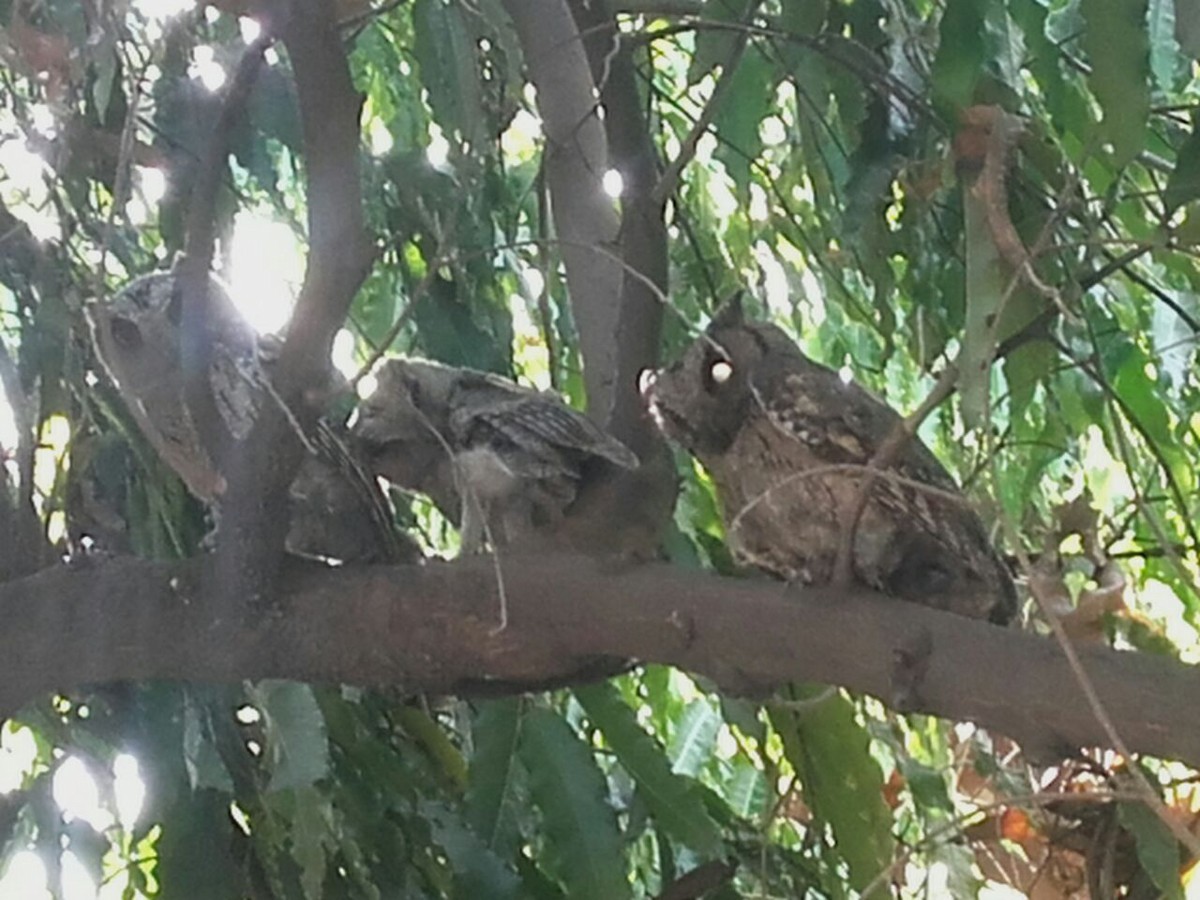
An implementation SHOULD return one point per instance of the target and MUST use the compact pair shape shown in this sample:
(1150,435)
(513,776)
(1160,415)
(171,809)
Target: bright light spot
(76,880)
(520,139)
(1104,476)
(25,877)
(533,280)
(56,435)
(379,139)
(1163,605)
(248,715)
(529,348)
(614,184)
(239,817)
(151,185)
(42,119)
(760,211)
(77,796)
(161,10)
(772,131)
(23,188)
(271,56)
(814,297)
(775,281)
(438,151)
(152,182)
(249,28)
(206,69)
(343,353)
(367,385)
(128,789)
(727,745)
(18,753)
(266,269)
(725,204)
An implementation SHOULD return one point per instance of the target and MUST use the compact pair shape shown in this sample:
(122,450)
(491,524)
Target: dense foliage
(1008,191)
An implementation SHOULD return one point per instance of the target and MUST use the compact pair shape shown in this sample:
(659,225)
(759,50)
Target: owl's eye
(720,371)
(126,333)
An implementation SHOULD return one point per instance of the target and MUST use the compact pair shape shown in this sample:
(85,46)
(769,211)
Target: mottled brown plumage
(785,441)
(336,511)
(494,456)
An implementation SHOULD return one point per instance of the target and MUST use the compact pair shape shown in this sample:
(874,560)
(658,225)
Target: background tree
(985,212)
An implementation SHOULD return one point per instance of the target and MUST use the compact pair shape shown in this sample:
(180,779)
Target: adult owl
(337,511)
(499,459)
(786,440)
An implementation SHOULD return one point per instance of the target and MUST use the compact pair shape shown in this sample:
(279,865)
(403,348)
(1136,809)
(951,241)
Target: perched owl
(782,437)
(493,456)
(336,510)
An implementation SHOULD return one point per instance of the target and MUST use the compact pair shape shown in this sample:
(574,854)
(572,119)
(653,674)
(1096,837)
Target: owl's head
(411,399)
(704,399)
(136,333)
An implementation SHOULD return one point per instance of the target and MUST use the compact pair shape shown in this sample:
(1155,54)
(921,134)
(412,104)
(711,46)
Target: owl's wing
(539,423)
(846,424)
(238,384)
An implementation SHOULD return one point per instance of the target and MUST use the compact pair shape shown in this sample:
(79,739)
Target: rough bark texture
(585,220)
(432,627)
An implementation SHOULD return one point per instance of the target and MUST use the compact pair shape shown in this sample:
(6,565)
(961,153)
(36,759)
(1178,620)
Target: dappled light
(699,449)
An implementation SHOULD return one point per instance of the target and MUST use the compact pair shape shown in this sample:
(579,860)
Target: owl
(785,441)
(337,511)
(498,459)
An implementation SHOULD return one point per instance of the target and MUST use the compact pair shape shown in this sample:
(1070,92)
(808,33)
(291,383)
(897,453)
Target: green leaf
(583,845)
(692,744)
(746,791)
(961,53)
(1165,58)
(1183,185)
(1116,43)
(747,102)
(492,799)
(1157,849)
(842,782)
(678,809)
(478,872)
(205,768)
(713,45)
(447,59)
(297,745)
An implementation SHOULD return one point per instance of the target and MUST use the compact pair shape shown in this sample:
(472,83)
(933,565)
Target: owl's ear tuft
(729,314)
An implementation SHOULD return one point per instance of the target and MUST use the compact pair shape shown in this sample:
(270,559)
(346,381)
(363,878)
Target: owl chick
(784,440)
(498,459)
(336,511)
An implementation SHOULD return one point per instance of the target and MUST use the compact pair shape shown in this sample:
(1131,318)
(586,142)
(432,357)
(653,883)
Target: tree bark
(576,158)
(432,628)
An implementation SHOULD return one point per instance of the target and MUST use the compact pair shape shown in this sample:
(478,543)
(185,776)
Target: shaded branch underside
(431,628)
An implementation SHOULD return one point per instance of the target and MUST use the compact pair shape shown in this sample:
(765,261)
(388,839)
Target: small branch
(882,459)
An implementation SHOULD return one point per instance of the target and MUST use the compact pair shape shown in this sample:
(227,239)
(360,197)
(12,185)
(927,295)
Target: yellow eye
(721,371)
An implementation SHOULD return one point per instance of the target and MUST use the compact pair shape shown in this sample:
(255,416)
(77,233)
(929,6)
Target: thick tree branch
(576,160)
(639,502)
(431,628)
(340,255)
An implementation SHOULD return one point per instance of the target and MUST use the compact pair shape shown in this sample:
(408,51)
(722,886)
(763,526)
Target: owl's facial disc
(125,333)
